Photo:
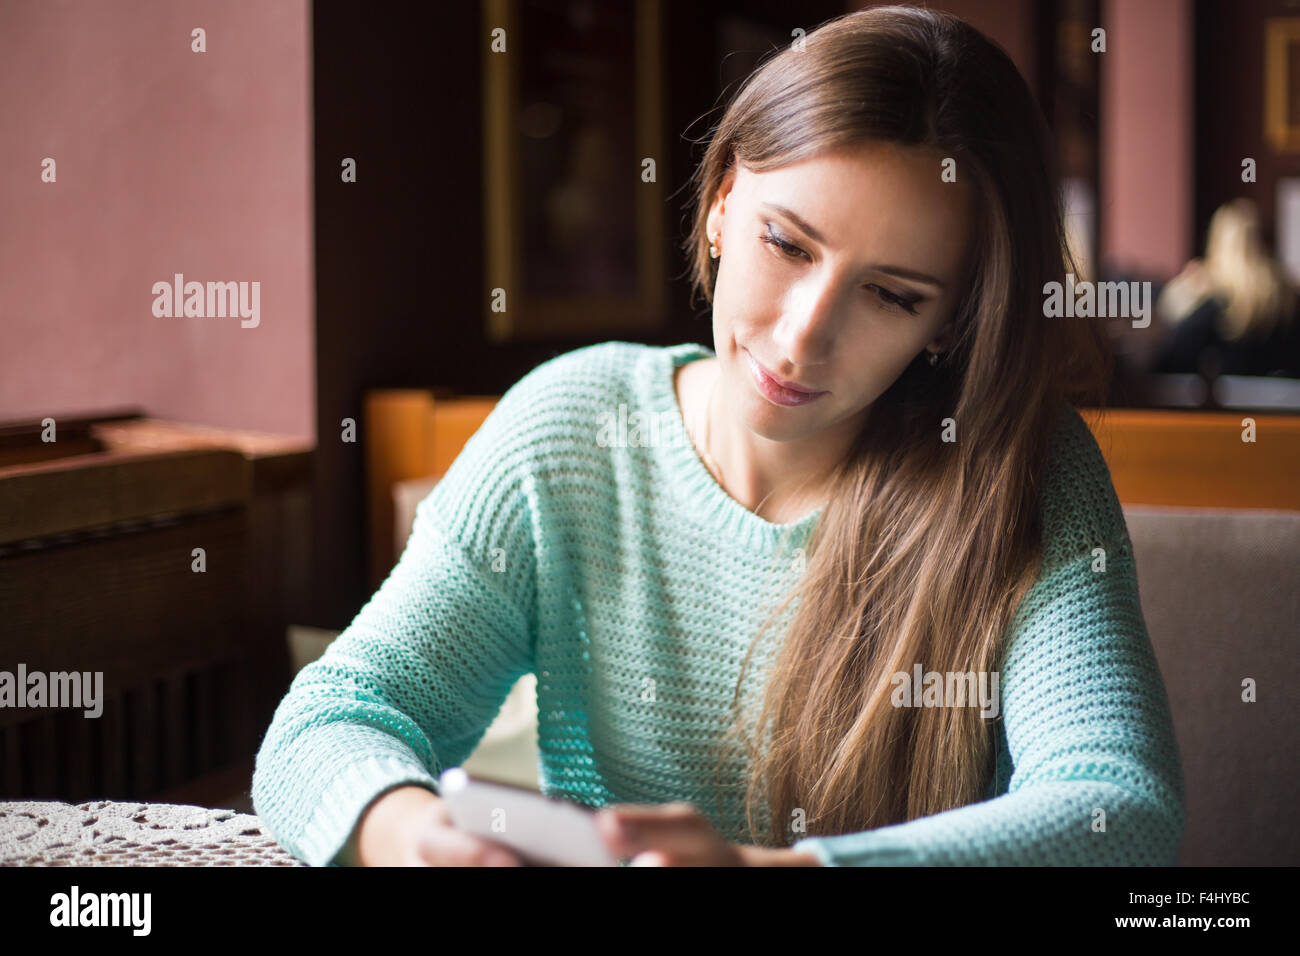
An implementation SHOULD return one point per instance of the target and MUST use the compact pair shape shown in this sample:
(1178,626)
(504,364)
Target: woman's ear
(718,210)
(942,341)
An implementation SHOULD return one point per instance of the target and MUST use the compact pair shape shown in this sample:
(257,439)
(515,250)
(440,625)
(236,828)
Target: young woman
(751,644)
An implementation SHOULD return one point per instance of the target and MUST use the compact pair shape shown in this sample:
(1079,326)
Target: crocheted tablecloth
(107,833)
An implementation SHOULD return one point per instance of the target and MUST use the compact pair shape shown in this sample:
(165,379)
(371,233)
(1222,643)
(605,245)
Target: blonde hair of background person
(1240,272)
(926,548)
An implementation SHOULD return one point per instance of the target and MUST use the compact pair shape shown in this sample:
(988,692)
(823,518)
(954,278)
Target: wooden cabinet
(101,536)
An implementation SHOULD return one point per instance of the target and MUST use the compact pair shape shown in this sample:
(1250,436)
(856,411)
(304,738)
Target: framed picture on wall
(1282,83)
(573,157)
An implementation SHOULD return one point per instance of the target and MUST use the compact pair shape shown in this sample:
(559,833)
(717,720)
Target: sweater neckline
(689,472)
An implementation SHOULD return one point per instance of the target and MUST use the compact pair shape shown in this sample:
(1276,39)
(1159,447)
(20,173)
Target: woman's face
(822,281)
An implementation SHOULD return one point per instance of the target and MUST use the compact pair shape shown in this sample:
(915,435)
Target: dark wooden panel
(89,491)
(130,605)
(115,783)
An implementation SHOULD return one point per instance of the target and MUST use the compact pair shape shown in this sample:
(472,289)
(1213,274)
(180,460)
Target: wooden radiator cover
(96,575)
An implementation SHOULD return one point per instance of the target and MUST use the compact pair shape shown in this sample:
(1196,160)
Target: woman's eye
(786,249)
(892,302)
(889,301)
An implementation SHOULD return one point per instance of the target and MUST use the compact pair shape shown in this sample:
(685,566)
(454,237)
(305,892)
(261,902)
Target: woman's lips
(774,391)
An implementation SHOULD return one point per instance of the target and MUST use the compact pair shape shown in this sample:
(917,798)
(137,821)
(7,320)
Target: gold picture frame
(1282,83)
(574,232)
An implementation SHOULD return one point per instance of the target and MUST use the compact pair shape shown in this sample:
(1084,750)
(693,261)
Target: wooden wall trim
(1198,459)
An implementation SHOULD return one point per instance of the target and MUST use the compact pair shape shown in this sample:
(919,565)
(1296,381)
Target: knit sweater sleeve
(1097,778)
(411,685)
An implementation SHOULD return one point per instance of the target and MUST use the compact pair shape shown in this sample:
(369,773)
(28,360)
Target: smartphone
(541,830)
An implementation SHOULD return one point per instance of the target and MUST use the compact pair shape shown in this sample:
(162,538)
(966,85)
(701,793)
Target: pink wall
(1147,87)
(167,161)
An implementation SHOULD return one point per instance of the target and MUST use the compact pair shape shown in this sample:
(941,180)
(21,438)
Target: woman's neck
(779,482)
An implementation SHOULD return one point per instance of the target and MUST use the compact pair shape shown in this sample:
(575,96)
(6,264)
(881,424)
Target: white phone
(541,830)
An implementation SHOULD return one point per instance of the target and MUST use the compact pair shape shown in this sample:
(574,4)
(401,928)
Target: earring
(713,245)
(933,358)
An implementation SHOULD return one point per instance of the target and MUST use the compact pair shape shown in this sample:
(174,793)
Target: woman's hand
(411,826)
(677,834)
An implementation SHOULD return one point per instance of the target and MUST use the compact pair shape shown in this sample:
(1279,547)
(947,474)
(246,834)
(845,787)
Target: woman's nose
(806,329)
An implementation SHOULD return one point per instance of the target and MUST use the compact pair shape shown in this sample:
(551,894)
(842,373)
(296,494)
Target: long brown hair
(926,548)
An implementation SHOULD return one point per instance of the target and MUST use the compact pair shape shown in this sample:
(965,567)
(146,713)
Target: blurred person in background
(1233,312)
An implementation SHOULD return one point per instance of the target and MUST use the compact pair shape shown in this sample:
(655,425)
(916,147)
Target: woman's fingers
(447,846)
(674,828)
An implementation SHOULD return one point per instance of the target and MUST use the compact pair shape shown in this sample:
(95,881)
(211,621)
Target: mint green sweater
(579,537)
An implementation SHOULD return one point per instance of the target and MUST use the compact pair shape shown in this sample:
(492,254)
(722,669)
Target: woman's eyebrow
(815,236)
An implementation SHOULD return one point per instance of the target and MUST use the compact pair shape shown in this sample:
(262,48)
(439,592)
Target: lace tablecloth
(106,833)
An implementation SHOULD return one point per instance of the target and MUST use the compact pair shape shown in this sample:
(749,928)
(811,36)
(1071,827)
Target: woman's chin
(773,422)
